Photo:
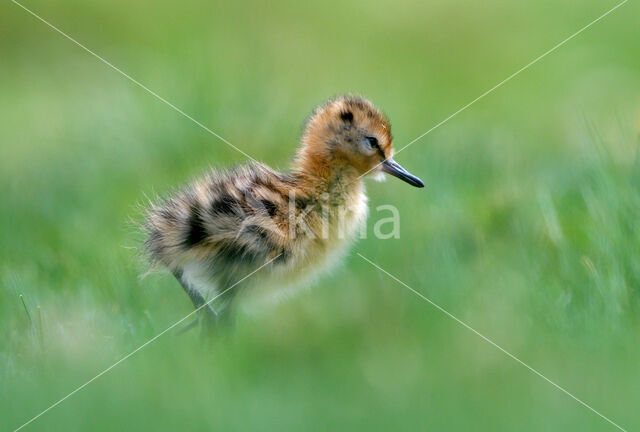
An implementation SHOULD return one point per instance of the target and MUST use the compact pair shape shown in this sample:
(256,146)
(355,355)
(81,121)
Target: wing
(237,218)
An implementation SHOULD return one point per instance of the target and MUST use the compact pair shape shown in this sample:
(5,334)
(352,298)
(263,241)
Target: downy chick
(251,228)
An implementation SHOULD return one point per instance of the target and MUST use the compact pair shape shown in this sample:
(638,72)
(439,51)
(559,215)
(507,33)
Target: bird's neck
(321,172)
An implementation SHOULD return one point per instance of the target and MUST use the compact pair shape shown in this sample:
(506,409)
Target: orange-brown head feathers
(348,133)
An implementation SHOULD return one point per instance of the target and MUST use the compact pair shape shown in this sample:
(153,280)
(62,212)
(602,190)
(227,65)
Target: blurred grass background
(528,229)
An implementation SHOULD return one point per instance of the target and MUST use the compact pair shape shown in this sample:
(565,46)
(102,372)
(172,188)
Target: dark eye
(373,142)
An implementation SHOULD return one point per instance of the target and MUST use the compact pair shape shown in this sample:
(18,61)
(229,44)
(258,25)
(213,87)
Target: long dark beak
(392,167)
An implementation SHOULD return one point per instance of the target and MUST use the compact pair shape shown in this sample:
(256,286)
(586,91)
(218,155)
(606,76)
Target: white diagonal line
(504,81)
(157,96)
(144,345)
(468,327)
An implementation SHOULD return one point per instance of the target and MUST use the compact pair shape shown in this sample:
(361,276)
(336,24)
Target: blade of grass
(26,309)
(39,326)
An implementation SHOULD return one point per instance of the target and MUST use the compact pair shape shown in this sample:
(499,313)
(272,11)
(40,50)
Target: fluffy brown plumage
(227,224)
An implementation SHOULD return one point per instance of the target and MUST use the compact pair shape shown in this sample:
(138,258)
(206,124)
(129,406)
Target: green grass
(528,229)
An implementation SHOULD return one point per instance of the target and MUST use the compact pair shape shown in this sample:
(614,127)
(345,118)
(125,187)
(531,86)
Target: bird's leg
(224,319)
(209,314)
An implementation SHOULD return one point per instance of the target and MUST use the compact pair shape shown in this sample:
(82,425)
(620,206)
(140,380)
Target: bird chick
(223,227)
